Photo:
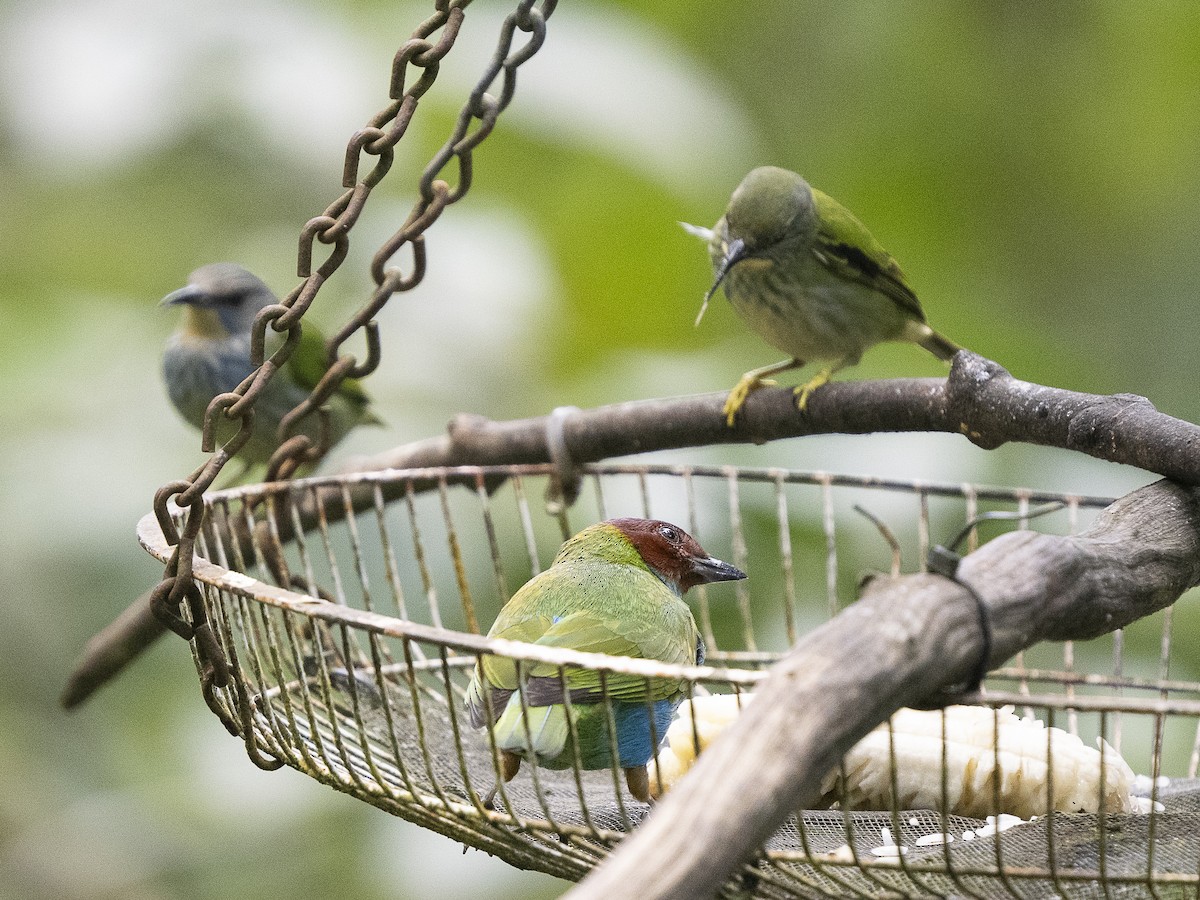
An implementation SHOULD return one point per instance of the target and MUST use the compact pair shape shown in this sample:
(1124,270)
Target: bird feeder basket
(335,622)
(352,609)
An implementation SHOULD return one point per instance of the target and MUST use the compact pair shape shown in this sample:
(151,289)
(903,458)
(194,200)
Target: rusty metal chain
(332,228)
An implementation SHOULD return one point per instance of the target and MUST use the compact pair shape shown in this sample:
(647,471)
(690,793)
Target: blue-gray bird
(210,355)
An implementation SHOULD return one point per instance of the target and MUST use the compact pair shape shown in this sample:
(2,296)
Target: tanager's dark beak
(735,252)
(188,294)
(706,570)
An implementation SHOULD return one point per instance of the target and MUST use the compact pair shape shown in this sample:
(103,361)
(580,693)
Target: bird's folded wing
(845,246)
(587,632)
(309,362)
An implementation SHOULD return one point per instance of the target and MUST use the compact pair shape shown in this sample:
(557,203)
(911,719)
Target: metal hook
(1001,515)
(887,534)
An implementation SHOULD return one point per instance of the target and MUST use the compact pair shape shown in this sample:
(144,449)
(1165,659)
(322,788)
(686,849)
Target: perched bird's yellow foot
(803,391)
(752,381)
(737,397)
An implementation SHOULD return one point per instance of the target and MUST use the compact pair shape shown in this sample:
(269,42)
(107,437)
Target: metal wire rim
(327,740)
(152,540)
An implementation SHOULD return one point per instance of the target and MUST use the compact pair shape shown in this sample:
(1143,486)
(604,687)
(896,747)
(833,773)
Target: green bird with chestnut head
(809,278)
(614,588)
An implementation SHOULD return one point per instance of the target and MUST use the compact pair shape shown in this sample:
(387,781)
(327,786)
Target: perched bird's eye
(670,534)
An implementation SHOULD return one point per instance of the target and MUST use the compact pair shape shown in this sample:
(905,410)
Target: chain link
(332,229)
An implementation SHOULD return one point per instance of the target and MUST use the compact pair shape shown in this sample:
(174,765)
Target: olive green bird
(210,355)
(808,277)
(614,588)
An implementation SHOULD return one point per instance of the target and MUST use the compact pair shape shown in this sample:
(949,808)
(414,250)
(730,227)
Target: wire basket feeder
(350,610)
(335,621)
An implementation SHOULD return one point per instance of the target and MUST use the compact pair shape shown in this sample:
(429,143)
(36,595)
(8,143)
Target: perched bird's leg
(803,391)
(638,781)
(510,764)
(751,381)
(489,802)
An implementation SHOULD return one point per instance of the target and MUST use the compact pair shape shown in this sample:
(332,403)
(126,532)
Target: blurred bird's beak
(705,234)
(735,252)
(710,569)
(189,294)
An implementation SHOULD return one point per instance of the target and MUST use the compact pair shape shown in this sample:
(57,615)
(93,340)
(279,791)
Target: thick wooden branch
(902,644)
(979,400)
(109,651)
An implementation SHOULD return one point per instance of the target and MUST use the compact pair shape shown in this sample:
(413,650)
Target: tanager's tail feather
(942,348)
(547,731)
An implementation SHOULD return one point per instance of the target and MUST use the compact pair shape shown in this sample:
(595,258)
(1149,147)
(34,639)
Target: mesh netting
(352,609)
(565,824)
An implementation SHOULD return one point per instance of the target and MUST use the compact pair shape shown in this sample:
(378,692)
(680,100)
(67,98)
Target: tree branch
(979,400)
(908,640)
(109,651)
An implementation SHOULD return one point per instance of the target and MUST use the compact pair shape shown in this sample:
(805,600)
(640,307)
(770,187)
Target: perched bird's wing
(498,673)
(593,608)
(844,245)
(308,365)
(589,633)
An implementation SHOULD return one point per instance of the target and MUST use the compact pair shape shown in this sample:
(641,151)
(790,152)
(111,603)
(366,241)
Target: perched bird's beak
(705,234)
(708,569)
(188,294)
(735,252)
(200,317)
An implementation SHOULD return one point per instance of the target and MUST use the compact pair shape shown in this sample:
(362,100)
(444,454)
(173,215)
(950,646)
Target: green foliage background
(1033,165)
